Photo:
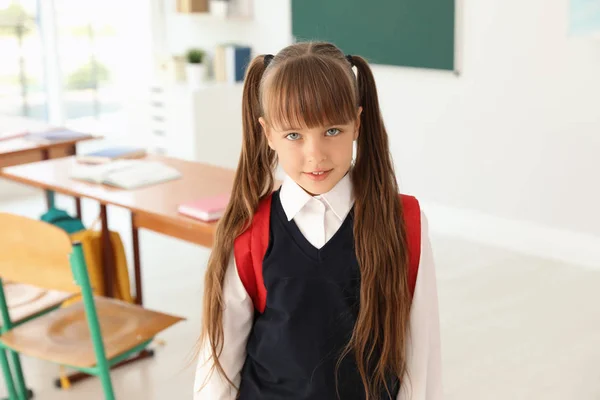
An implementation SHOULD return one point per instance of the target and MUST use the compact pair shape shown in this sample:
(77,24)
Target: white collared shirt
(319,218)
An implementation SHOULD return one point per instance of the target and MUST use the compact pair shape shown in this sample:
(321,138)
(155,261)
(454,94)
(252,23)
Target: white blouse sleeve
(237,323)
(423,352)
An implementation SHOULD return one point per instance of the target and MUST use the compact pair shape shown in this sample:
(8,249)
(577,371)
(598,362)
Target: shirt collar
(339,199)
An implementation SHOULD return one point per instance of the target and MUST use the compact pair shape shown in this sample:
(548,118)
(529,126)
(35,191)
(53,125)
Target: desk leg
(139,299)
(49,193)
(78,207)
(73,151)
(107,255)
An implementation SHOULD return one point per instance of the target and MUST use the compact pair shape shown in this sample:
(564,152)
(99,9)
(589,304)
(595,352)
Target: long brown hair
(307,85)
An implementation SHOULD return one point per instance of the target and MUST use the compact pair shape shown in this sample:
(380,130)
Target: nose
(315,152)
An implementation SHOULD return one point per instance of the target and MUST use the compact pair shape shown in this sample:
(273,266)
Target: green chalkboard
(414,33)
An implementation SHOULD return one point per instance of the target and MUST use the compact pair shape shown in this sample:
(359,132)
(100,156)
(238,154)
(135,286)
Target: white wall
(512,142)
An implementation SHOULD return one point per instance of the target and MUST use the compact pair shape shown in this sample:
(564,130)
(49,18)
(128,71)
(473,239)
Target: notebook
(112,153)
(56,135)
(126,174)
(207,208)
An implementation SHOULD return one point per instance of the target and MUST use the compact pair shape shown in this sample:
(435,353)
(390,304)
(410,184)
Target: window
(88,44)
(22,78)
(74,62)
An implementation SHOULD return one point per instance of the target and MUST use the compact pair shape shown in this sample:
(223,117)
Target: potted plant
(195,68)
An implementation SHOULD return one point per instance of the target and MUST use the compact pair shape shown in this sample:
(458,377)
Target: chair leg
(10,385)
(106,383)
(16,363)
(83,279)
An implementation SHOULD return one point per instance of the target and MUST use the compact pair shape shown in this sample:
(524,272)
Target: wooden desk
(19,151)
(152,207)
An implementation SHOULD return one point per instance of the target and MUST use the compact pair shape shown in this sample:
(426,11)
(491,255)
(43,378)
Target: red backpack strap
(249,249)
(412,221)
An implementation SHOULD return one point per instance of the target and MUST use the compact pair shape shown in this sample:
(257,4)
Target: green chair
(89,336)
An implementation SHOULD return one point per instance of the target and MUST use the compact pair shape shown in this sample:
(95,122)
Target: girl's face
(316,158)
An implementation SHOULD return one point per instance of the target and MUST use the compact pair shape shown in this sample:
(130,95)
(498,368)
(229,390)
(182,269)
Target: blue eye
(333,132)
(293,136)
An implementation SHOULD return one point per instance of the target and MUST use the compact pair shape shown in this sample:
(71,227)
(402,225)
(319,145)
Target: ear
(266,131)
(357,125)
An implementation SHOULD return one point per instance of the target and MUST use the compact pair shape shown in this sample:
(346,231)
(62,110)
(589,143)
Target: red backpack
(250,248)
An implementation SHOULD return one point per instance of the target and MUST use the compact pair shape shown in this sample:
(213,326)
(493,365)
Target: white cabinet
(202,124)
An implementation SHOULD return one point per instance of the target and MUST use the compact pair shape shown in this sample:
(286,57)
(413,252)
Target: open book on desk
(126,174)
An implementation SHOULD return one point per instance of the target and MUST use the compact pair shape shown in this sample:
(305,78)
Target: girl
(341,300)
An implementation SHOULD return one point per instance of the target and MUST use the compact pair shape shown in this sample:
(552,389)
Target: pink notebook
(207,208)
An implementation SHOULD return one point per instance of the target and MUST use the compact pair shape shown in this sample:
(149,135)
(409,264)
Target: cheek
(343,150)
(289,154)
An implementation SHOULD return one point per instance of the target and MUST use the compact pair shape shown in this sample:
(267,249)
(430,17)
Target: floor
(513,326)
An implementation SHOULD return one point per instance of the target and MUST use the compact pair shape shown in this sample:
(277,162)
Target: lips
(318,175)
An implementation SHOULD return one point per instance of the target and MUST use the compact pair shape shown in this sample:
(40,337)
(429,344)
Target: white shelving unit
(202,124)
(158,120)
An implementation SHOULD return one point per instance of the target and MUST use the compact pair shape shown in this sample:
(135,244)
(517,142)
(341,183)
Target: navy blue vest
(313,299)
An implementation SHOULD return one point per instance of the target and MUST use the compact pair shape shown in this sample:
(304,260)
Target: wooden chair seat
(25,301)
(62,336)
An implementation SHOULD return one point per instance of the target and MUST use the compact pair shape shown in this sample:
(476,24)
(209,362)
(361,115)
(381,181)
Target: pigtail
(379,339)
(254,179)
(257,160)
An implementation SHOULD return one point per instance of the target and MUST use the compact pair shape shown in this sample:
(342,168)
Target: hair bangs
(309,92)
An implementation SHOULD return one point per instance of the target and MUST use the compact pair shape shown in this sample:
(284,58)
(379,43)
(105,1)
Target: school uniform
(312,279)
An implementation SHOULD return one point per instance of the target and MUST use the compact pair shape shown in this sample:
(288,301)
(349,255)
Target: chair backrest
(36,253)
(41,254)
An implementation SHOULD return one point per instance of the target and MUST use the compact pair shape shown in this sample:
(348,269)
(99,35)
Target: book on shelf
(111,154)
(125,174)
(230,62)
(209,208)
